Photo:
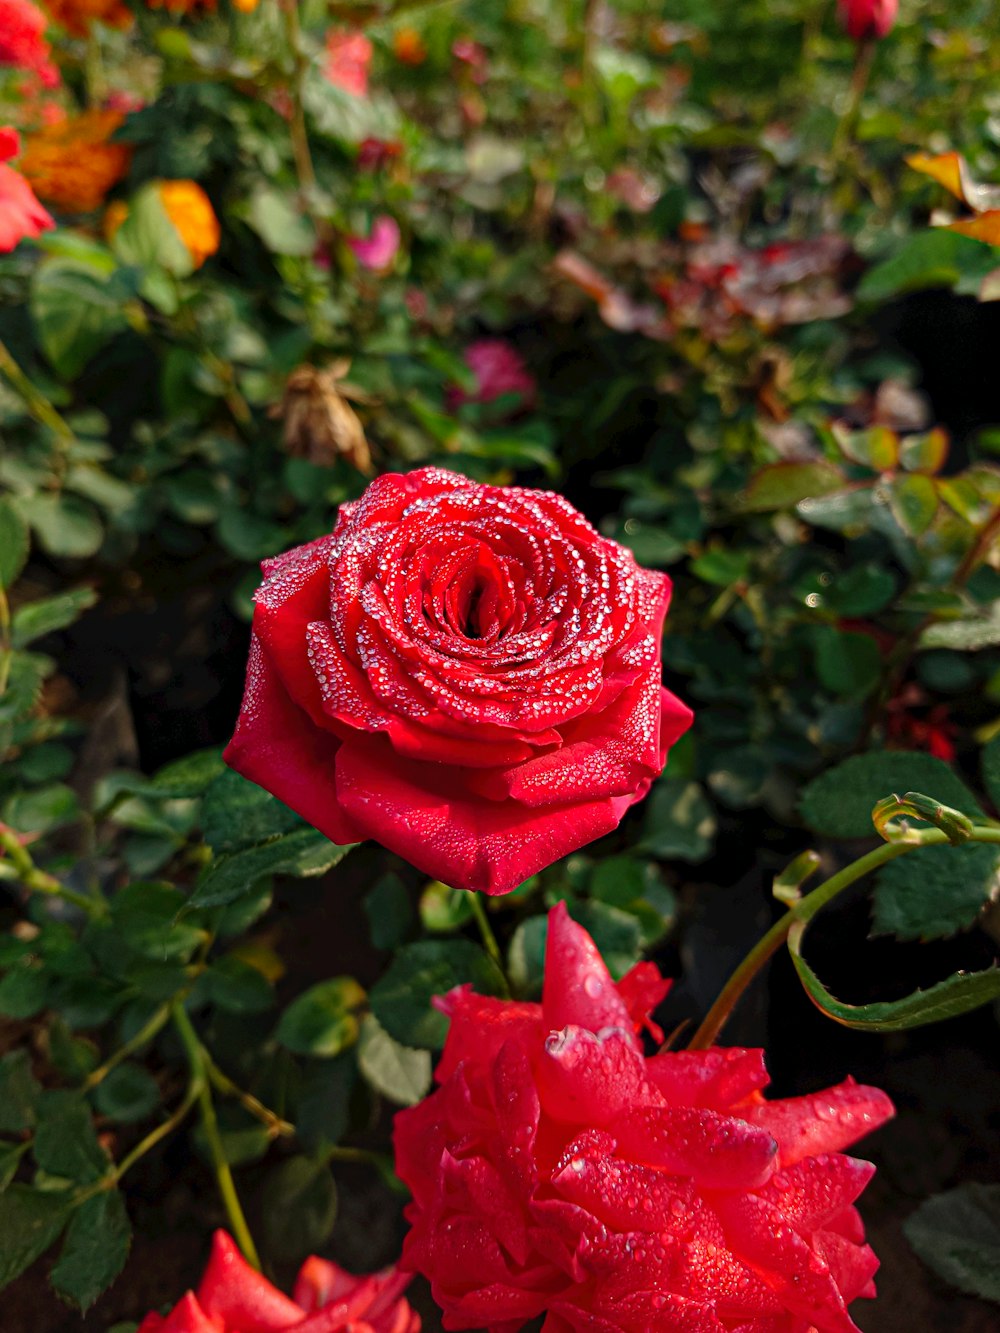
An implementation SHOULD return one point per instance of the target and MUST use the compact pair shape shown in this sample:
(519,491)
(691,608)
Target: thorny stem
(157,1020)
(39,881)
(806,908)
(224,1177)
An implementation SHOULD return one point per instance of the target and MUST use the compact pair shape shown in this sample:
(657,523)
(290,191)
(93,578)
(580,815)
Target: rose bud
(235,1298)
(867,20)
(558,1171)
(468,674)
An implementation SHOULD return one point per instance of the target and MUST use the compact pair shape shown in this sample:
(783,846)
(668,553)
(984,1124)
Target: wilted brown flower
(320,425)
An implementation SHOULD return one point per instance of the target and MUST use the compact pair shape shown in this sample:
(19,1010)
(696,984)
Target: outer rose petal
(473,843)
(21,215)
(240,1296)
(187,1316)
(278,747)
(578,986)
(823,1121)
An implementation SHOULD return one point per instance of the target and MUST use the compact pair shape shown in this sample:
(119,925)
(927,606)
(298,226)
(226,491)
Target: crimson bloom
(235,1298)
(378,249)
(499,372)
(865,20)
(557,1171)
(22,40)
(21,215)
(468,674)
(348,55)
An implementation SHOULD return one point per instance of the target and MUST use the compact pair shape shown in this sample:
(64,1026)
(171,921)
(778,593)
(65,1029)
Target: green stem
(35,401)
(486,931)
(173,1121)
(298,131)
(224,1177)
(859,82)
(273,1122)
(38,881)
(157,1020)
(807,908)
(6,649)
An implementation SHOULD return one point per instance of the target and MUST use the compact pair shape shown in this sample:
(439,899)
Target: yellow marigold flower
(187,206)
(76,16)
(71,164)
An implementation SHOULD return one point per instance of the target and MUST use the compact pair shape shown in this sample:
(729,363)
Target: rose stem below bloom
(486,930)
(807,907)
(223,1175)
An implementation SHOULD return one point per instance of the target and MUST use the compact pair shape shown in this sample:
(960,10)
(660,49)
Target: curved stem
(39,881)
(173,1121)
(807,908)
(35,401)
(486,931)
(273,1123)
(147,1032)
(223,1174)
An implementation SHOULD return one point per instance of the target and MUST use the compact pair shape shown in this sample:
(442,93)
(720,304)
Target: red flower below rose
(234,1298)
(21,215)
(558,1171)
(468,674)
(867,20)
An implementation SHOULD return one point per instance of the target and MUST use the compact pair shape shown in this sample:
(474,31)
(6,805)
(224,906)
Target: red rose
(21,215)
(557,1171)
(468,674)
(235,1298)
(867,19)
(22,40)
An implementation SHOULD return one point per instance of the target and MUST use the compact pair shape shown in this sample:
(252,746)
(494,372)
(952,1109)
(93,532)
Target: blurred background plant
(727,279)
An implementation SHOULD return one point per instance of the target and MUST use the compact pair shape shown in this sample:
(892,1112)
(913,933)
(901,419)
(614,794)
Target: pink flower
(867,19)
(379,249)
(234,1298)
(22,41)
(21,214)
(499,371)
(348,55)
(472,54)
(559,1171)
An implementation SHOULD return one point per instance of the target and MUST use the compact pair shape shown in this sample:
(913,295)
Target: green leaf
(323,1020)
(66,526)
(784,485)
(76,312)
(128,1094)
(958,995)
(236,987)
(74,1057)
(990,761)
(298,1208)
(97,1243)
(935,891)
(679,823)
(280,223)
(861,590)
(958,1235)
(149,918)
(303,853)
(444,909)
(876,448)
(722,567)
(24,990)
(19,1093)
(148,239)
(43,809)
(846,663)
(526,956)
(323,1112)
(839,803)
(37,619)
(402,998)
(187,777)
(966,636)
(937,258)
(30,1221)
(913,500)
(390,914)
(14,543)
(237,813)
(65,1141)
(396,1071)
(10,1160)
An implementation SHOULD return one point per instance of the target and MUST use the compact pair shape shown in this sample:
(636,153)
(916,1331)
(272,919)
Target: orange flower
(76,16)
(408,47)
(183,6)
(245,6)
(187,206)
(72,164)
